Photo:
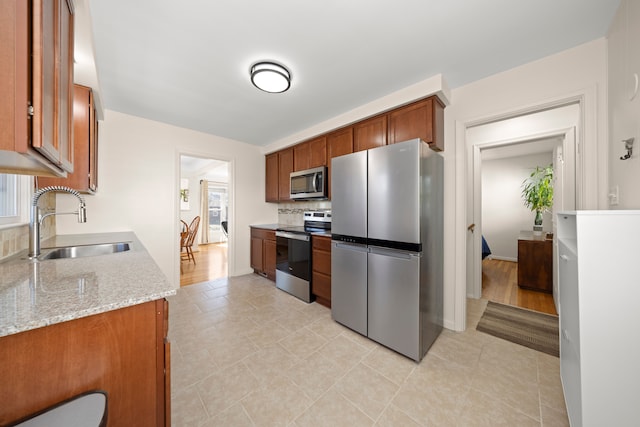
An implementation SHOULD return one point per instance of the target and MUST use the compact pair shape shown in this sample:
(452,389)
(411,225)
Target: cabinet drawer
(321,285)
(261,233)
(321,243)
(321,261)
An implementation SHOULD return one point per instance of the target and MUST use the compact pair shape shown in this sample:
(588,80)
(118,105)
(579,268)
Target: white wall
(503,212)
(139,188)
(194,204)
(624,113)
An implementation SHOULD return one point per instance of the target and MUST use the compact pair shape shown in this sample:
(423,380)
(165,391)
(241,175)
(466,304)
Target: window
(14,199)
(218,207)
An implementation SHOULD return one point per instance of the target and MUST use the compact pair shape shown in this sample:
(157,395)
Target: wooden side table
(535,262)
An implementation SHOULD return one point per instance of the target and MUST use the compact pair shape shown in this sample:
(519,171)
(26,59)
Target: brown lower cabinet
(321,269)
(263,252)
(124,352)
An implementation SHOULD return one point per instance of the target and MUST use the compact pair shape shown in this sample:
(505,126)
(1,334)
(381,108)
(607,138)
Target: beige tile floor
(247,354)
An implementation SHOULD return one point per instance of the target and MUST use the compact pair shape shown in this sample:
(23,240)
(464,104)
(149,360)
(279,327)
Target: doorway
(553,131)
(506,225)
(205,193)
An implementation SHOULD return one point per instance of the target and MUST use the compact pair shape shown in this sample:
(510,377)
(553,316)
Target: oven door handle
(294,236)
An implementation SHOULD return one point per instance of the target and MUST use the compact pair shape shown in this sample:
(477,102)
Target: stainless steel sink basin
(84,250)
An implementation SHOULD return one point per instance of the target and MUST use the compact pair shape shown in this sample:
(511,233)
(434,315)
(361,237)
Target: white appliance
(599,287)
(387,242)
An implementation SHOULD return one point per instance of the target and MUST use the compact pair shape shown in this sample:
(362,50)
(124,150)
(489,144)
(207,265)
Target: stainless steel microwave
(309,184)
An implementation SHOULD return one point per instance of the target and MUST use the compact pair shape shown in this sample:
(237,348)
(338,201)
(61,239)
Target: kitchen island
(72,325)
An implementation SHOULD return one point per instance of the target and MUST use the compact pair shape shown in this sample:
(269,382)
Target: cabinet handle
(564,257)
(565,335)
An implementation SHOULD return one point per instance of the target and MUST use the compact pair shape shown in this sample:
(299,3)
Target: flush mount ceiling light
(270,77)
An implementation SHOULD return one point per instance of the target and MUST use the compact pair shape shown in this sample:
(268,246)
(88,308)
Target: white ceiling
(187,63)
(525,148)
(204,168)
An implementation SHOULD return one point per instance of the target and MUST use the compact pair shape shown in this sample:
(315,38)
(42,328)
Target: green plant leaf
(537,190)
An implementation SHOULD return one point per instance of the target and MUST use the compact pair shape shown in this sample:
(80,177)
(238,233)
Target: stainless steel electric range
(293,254)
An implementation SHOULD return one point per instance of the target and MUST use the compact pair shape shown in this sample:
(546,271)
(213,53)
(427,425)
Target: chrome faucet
(36,218)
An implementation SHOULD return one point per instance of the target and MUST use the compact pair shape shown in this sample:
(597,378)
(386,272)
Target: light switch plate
(614,194)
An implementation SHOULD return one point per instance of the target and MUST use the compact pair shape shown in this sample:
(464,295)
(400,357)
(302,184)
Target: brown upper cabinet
(317,152)
(36,86)
(370,133)
(285,167)
(310,154)
(271,182)
(84,177)
(339,143)
(423,119)
(301,156)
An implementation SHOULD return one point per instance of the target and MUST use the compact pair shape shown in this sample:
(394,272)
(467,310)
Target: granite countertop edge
(273,227)
(43,293)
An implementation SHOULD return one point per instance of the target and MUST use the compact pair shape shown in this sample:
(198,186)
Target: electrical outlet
(614,196)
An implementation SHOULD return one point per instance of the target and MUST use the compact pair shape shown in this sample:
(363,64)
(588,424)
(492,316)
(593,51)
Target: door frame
(231,258)
(474,279)
(587,185)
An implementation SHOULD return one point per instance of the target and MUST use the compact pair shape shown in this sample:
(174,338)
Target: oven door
(293,254)
(293,264)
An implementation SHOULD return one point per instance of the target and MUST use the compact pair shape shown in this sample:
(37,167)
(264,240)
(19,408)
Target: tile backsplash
(16,239)
(292,213)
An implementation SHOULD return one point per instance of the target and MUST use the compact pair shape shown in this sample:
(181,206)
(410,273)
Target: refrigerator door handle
(351,247)
(394,253)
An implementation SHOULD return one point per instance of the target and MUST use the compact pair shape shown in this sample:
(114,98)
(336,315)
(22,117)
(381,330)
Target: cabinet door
(423,119)
(370,133)
(285,167)
(321,270)
(14,72)
(269,252)
(257,260)
(271,181)
(53,81)
(93,144)
(318,152)
(339,143)
(84,175)
(301,156)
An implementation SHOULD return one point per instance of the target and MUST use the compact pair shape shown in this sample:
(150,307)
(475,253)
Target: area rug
(531,329)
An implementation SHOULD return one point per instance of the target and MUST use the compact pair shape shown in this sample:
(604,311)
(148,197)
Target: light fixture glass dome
(270,77)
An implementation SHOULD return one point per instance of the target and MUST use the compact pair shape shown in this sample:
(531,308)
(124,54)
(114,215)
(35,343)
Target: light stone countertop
(267,226)
(34,294)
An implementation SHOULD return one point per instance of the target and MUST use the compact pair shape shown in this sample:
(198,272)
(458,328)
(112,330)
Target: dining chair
(190,238)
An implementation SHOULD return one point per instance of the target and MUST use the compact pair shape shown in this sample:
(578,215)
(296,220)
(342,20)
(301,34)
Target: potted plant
(537,192)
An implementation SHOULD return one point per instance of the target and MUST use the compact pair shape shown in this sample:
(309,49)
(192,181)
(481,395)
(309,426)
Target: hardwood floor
(500,284)
(211,264)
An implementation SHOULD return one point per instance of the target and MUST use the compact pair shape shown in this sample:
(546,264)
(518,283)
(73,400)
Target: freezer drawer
(394,300)
(349,285)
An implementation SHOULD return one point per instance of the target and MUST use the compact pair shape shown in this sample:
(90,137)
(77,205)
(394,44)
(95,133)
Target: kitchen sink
(84,250)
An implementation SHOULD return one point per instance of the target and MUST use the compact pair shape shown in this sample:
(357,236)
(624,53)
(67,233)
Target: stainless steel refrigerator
(387,243)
